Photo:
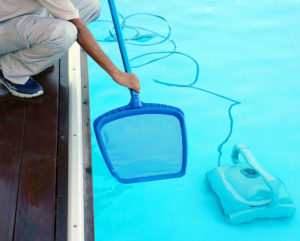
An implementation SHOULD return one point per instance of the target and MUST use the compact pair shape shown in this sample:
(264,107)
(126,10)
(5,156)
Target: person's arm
(87,41)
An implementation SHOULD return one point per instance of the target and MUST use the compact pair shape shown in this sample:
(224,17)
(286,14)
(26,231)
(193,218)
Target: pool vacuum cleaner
(247,192)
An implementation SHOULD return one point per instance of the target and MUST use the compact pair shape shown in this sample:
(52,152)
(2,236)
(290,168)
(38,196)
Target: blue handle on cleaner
(135,99)
(270,181)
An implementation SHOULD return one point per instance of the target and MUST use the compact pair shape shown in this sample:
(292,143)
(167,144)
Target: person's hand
(130,81)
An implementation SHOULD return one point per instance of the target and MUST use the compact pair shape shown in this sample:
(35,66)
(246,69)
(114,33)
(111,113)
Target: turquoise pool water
(248,52)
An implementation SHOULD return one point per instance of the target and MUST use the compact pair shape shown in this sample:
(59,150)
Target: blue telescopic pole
(135,99)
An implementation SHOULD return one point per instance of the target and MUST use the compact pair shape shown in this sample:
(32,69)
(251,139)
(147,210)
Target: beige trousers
(31,43)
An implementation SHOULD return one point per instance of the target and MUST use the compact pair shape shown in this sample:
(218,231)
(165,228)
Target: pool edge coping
(80,191)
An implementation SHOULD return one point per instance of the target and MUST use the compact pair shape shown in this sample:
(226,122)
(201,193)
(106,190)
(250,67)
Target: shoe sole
(15,93)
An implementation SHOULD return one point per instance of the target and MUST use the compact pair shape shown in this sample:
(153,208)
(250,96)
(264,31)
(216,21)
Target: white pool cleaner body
(247,192)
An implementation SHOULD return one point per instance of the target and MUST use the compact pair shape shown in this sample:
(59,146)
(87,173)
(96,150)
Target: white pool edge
(75,176)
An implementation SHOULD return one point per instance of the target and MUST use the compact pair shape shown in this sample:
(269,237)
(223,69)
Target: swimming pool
(248,53)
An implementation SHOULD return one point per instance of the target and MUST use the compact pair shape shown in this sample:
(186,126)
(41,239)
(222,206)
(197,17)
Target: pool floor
(249,53)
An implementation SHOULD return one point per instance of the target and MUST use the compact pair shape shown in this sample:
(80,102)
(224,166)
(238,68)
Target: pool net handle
(135,100)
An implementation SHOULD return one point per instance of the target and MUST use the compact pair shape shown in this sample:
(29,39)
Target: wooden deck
(34,162)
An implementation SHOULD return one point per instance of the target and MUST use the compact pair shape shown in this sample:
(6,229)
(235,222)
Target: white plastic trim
(75,179)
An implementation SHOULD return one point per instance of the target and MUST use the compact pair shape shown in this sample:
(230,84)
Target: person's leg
(30,44)
(89,10)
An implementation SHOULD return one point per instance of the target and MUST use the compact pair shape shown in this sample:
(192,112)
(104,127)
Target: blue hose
(137,40)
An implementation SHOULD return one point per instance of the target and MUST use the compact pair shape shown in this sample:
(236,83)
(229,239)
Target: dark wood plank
(62,156)
(35,211)
(12,116)
(87,157)
(36,199)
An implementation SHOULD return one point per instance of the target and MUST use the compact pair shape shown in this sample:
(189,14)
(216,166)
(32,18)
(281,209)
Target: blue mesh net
(144,145)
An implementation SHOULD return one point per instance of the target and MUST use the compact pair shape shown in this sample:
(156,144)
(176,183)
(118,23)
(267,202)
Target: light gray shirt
(63,9)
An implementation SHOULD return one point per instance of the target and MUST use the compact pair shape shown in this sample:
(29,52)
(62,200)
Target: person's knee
(63,36)
(91,11)
(70,35)
(97,9)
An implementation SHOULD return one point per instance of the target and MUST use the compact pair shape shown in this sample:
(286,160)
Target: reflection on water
(106,189)
(107,193)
